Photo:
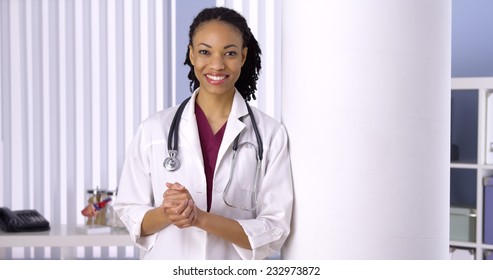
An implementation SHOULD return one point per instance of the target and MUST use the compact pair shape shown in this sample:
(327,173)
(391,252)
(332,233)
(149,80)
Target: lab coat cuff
(254,254)
(146,242)
(261,237)
(134,227)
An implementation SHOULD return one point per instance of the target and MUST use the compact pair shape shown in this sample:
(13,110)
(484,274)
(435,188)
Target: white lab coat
(143,181)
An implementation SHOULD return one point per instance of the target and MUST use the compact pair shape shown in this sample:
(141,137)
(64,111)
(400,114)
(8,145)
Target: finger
(195,214)
(180,221)
(170,206)
(184,223)
(175,200)
(172,194)
(191,215)
(177,195)
(176,192)
(188,210)
(186,217)
(174,186)
(177,210)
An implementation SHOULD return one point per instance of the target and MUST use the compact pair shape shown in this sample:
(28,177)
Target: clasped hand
(179,206)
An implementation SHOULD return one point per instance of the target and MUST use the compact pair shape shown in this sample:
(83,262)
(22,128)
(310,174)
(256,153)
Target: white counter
(63,236)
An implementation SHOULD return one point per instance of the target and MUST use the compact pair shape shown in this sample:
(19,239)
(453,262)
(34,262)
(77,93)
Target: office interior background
(77,77)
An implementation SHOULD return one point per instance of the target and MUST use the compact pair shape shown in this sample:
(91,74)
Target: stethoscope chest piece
(171,163)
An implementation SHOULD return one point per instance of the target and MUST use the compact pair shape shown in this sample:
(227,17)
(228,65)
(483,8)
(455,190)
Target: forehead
(216,30)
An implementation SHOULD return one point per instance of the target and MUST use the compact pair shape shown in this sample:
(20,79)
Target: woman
(211,206)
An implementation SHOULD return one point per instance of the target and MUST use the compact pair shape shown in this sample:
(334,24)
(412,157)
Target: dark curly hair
(247,82)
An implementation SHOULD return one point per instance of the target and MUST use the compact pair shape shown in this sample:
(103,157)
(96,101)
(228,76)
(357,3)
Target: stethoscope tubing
(174,128)
(175,124)
(171,163)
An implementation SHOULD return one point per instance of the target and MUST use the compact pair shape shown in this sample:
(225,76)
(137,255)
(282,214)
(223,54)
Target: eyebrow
(226,47)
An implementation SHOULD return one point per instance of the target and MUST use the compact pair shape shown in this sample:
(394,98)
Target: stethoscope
(171,163)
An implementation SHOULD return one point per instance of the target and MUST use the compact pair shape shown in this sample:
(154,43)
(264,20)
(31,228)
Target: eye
(204,52)
(231,53)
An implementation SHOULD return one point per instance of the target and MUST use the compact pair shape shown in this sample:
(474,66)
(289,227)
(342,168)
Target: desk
(64,236)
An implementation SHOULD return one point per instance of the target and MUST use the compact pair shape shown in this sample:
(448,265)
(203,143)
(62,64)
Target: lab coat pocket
(242,190)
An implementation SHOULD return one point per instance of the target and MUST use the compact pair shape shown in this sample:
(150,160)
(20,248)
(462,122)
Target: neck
(216,108)
(214,105)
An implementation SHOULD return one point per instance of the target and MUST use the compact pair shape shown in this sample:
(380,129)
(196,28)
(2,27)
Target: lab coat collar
(234,126)
(238,108)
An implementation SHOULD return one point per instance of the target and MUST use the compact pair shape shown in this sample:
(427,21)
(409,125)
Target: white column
(366,101)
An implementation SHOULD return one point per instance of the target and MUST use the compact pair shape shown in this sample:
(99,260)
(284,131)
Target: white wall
(366,103)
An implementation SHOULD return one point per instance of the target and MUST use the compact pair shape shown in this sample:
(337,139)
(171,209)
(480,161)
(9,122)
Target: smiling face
(217,55)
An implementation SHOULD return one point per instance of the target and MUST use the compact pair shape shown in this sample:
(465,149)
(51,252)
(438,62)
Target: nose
(217,62)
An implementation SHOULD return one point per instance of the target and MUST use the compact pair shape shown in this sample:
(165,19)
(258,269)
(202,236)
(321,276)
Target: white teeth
(216,78)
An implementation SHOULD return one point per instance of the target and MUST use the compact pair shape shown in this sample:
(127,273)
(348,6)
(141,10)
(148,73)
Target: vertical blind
(76,79)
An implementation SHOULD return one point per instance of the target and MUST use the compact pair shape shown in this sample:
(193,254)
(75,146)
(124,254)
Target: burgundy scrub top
(210,144)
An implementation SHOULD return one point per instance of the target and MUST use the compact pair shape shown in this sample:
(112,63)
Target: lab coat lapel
(188,128)
(234,126)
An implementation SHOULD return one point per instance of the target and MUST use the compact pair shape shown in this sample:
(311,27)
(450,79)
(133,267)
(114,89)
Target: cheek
(235,65)
(199,63)
(238,68)
(197,66)
(197,72)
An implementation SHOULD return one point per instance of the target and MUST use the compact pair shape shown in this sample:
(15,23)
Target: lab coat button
(277,232)
(219,190)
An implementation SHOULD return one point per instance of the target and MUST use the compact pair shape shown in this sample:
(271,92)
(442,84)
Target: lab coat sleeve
(134,196)
(268,232)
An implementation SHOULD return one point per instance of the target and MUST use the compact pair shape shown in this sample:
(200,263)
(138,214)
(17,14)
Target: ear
(190,54)
(244,53)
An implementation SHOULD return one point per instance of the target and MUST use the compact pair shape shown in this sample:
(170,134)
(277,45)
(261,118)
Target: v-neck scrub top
(210,143)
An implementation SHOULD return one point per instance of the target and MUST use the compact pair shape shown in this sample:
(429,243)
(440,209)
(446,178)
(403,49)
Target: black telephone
(22,220)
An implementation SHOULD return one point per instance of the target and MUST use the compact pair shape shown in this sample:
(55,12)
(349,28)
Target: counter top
(65,236)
